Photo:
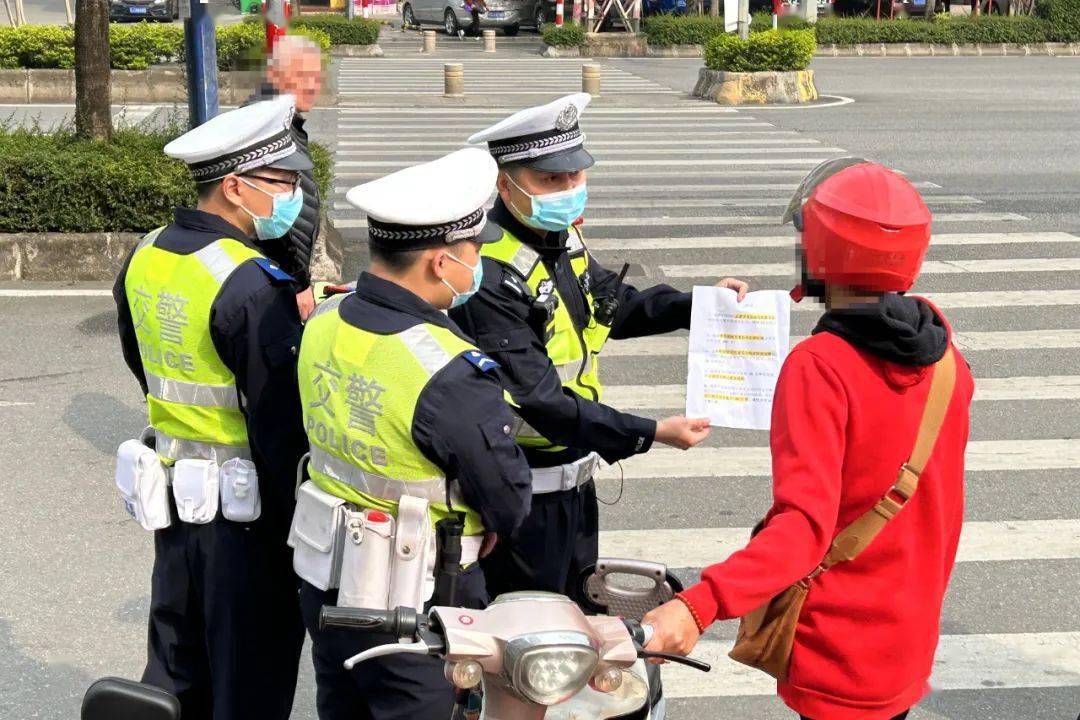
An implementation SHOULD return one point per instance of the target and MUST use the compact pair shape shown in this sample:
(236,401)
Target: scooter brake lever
(414,648)
(681,659)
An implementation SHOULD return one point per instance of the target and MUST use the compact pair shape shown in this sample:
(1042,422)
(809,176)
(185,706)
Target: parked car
(163,10)
(505,15)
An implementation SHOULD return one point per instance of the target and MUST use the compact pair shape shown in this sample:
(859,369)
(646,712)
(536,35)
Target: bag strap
(857,536)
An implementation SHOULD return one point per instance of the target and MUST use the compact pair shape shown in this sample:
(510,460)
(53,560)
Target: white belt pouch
(412,571)
(317,536)
(240,500)
(143,483)
(195,485)
(366,560)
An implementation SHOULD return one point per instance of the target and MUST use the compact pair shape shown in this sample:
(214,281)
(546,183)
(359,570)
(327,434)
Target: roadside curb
(356,51)
(860,50)
(158,84)
(74,257)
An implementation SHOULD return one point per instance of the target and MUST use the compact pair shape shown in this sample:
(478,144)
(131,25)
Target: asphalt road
(52,12)
(1005,266)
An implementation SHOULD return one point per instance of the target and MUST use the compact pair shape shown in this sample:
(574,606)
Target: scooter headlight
(548,668)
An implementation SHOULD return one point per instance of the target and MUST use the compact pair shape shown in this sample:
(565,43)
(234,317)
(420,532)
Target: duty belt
(565,477)
(175,448)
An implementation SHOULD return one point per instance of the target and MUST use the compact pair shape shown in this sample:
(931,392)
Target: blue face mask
(287,208)
(460,298)
(555,211)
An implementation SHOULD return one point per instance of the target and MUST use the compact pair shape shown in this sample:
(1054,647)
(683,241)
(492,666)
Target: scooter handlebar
(401,622)
(642,634)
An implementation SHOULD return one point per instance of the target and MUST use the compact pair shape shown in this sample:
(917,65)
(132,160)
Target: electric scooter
(534,655)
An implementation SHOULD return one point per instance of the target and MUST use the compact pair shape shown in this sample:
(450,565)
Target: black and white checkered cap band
(414,237)
(262,153)
(530,147)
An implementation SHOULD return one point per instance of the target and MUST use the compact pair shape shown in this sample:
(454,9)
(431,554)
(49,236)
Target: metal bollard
(429,41)
(489,41)
(453,80)
(590,79)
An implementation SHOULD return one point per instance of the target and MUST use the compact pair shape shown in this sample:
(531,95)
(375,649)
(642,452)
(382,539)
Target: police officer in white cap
(406,420)
(210,328)
(544,312)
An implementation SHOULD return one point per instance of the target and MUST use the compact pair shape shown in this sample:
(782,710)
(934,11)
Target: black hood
(900,329)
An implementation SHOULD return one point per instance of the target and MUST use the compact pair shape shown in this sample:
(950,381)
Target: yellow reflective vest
(359,392)
(573,351)
(191,395)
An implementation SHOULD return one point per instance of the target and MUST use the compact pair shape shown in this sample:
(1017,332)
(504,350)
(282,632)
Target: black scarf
(899,329)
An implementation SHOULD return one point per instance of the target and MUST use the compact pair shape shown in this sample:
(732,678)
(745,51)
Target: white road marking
(997,541)
(783,241)
(58,292)
(933,267)
(991,662)
(752,461)
(1064,339)
(1041,387)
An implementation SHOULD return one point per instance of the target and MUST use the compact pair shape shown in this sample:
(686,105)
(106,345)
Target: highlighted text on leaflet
(735,353)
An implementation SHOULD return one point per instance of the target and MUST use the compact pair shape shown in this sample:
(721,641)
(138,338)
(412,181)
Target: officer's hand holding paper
(735,353)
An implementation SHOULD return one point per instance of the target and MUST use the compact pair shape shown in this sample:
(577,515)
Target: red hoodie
(843,422)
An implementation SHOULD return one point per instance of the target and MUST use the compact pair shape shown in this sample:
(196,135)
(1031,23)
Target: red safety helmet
(862,226)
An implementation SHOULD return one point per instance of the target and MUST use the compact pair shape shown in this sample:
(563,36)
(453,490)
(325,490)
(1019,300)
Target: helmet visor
(818,175)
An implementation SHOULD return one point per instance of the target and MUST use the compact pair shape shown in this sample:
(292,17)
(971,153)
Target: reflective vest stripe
(175,448)
(524,260)
(384,488)
(189,393)
(217,261)
(148,239)
(425,348)
(331,303)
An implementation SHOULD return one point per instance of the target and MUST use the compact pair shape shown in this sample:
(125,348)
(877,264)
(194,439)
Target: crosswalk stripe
(627,151)
(782,241)
(602,173)
(499,113)
(935,267)
(454,144)
(989,389)
(598,187)
(963,662)
(987,541)
(726,124)
(982,455)
(661,204)
(1050,339)
(984,217)
(650,137)
(767,269)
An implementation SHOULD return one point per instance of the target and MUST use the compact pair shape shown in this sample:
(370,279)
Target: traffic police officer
(544,312)
(210,328)
(397,401)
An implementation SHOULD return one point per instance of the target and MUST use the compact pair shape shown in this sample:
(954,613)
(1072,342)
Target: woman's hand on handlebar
(674,629)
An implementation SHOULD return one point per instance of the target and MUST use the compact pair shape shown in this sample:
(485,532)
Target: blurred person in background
(295,68)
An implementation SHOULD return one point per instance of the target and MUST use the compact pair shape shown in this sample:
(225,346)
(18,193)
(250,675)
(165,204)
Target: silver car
(507,15)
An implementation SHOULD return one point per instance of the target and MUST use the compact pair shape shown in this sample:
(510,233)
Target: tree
(92,73)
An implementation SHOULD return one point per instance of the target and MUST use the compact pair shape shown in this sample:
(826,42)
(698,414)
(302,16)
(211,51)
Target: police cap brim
(570,161)
(296,162)
(490,233)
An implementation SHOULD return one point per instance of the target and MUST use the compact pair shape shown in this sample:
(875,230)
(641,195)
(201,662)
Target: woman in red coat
(845,414)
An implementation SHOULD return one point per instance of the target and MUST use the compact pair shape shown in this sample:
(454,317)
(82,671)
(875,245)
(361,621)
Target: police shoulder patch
(272,269)
(482,362)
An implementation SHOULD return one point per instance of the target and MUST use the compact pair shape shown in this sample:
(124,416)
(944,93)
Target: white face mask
(460,298)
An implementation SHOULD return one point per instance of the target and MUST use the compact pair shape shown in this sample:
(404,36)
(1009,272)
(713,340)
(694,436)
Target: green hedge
(769,50)
(135,46)
(665,30)
(1063,16)
(984,29)
(340,29)
(58,183)
(569,35)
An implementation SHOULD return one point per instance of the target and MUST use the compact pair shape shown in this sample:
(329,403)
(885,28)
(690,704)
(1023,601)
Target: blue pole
(200,45)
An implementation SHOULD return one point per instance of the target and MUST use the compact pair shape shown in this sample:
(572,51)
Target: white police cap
(253,136)
(545,138)
(436,203)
